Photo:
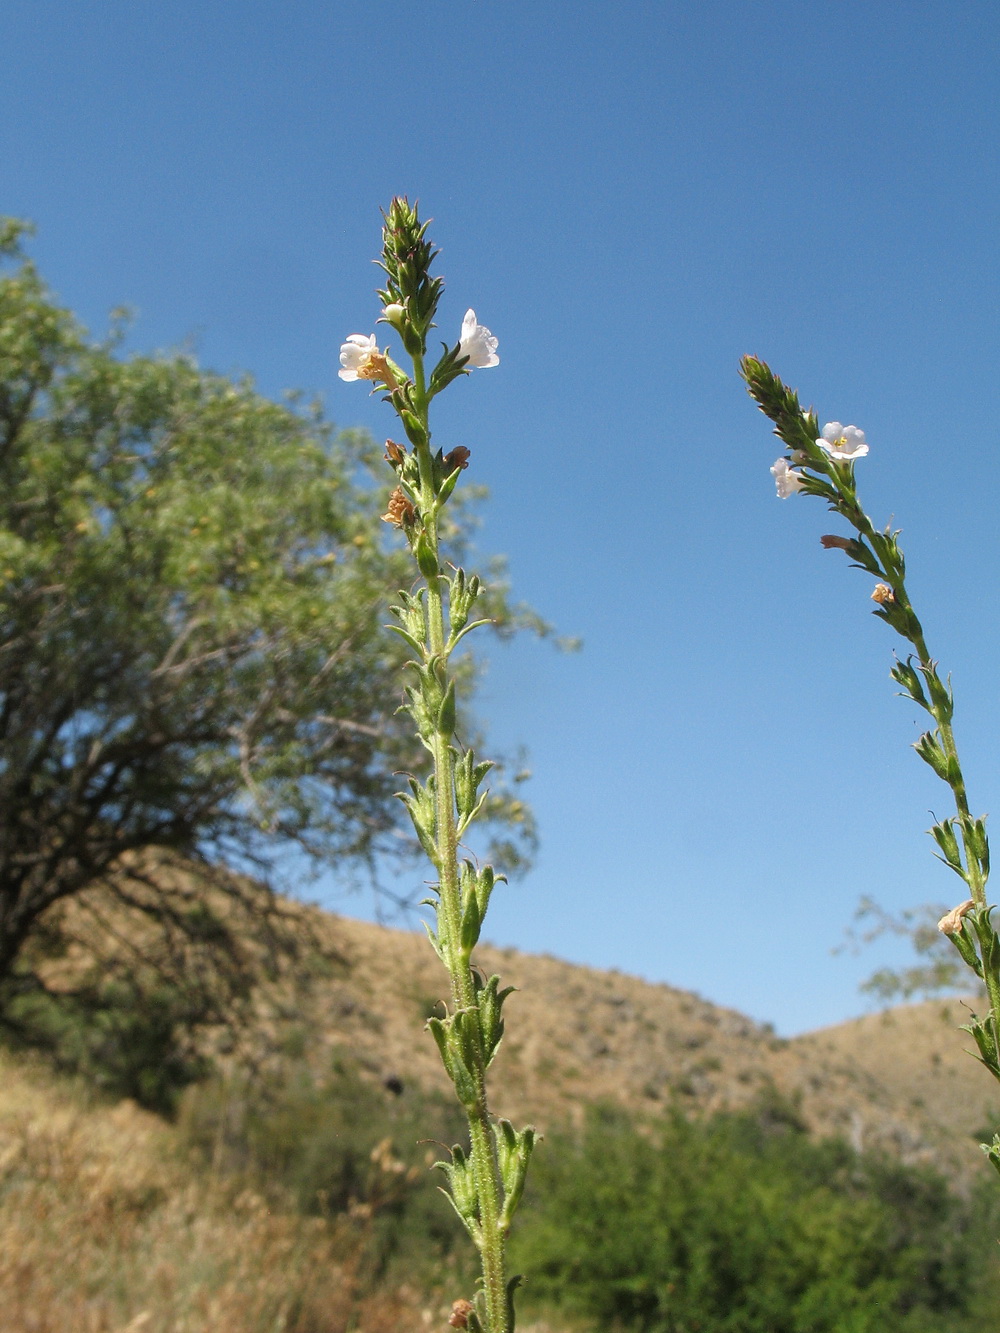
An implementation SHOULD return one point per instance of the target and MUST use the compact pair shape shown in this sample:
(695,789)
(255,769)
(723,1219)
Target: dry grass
(105,1229)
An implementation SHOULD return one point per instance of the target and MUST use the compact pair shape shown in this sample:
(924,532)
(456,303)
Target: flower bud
(406,259)
(394,314)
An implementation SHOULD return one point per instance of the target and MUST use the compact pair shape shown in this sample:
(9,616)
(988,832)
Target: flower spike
(485,1183)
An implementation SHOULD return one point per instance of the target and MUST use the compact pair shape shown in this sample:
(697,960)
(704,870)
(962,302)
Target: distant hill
(899,1080)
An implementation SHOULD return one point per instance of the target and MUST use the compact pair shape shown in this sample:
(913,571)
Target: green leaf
(461,1182)
(472,923)
(965,942)
(448,485)
(977,842)
(427,560)
(415,430)
(930,751)
(467,629)
(983,1032)
(513,1153)
(944,836)
(420,804)
(992,1151)
(989,944)
(942,697)
(457,1041)
(446,713)
(408,638)
(905,675)
(435,943)
(490,1001)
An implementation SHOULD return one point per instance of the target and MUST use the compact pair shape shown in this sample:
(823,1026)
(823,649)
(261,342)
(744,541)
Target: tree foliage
(193,581)
(742,1224)
(939,971)
(736,1223)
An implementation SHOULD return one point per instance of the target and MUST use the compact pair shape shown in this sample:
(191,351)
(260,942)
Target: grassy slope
(104,1227)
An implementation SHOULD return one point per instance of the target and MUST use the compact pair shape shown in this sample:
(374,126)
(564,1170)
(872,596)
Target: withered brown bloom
(882,594)
(830,542)
(951,922)
(399,511)
(460,1311)
(459,457)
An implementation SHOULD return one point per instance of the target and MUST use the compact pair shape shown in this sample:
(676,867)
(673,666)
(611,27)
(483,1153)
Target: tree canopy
(192,591)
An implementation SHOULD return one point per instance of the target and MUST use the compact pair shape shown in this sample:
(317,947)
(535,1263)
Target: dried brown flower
(830,542)
(376,367)
(460,1311)
(459,457)
(394,453)
(399,511)
(882,594)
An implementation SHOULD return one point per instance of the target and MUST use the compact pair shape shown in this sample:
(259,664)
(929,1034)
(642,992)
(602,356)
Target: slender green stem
(484,1156)
(485,1183)
(974,873)
(817,473)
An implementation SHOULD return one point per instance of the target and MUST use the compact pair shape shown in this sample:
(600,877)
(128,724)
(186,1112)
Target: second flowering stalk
(487,1179)
(821,462)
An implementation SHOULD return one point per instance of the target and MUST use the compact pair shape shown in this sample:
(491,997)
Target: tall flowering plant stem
(821,462)
(486,1180)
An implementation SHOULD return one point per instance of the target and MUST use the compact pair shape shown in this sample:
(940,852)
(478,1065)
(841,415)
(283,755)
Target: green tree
(192,586)
(939,969)
(742,1224)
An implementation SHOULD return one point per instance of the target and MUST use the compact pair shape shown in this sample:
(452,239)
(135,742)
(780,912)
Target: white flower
(787,480)
(355,356)
(842,442)
(477,343)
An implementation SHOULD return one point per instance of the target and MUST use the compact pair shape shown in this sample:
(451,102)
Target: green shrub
(742,1224)
(122,1038)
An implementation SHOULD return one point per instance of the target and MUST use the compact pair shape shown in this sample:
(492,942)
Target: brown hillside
(106,1226)
(899,1080)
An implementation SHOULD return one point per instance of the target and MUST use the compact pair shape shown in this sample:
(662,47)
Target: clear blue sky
(631,196)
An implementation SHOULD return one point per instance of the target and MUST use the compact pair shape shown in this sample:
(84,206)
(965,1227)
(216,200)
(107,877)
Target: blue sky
(631,196)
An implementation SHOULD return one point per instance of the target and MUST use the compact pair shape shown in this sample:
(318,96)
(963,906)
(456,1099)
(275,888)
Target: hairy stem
(484,1156)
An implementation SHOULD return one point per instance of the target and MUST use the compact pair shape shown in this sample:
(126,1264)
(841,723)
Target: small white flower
(477,343)
(786,479)
(355,356)
(843,442)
